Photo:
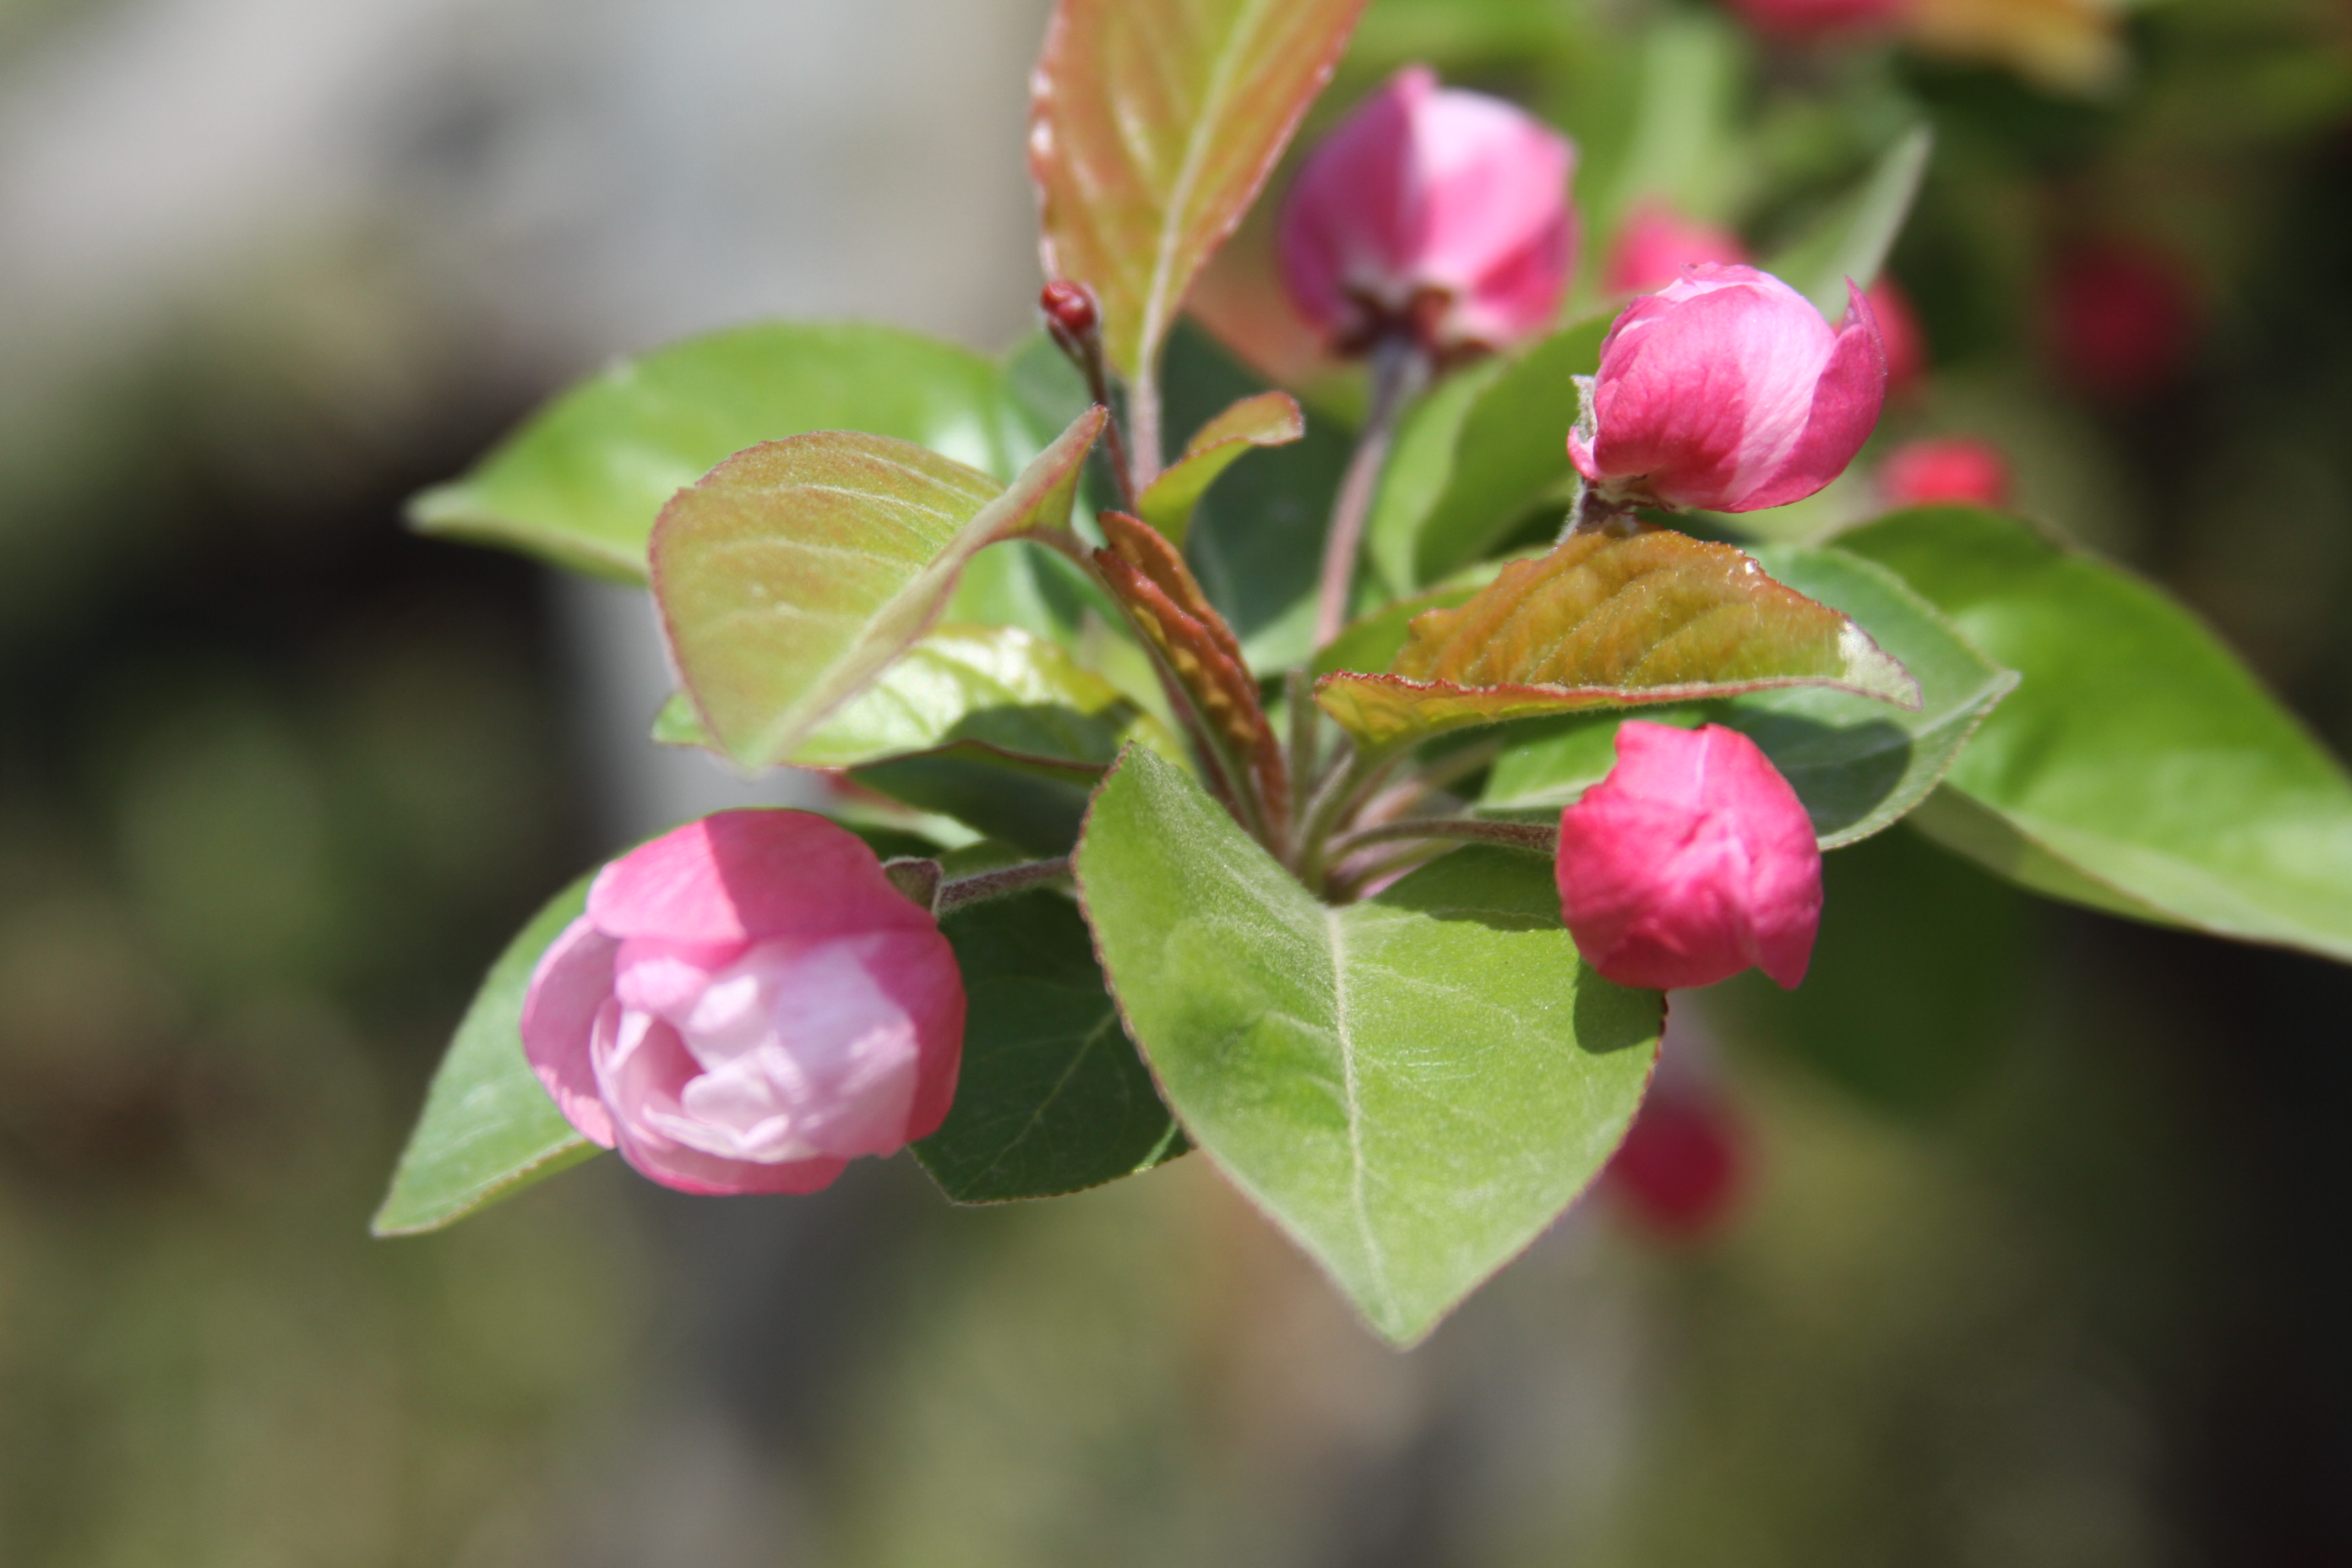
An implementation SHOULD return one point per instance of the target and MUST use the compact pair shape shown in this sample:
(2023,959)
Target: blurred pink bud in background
(747,1005)
(1818,18)
(1947,469)
(1726,390)
(1691,861)
(1655,245)
(1899,333)
(1441,212)
(1682,1167)
(2122,318)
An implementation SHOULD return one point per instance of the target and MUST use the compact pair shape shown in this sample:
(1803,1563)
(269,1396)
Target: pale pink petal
(573,982)
(748,876)
(1427,192)
(1848,397)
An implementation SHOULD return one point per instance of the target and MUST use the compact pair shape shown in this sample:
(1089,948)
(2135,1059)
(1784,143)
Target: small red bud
(1070,306)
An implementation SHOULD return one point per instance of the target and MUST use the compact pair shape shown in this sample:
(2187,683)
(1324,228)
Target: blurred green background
(2039,1255)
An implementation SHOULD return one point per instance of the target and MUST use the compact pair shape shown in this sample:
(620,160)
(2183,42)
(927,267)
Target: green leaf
(2140,767)
(1478,455)
(488,1129)
(1152,125)
(984,689)
(582,482)
(1919,978)
(1609,621)
(794,574)
(1684,144)
(1852,240)
(1413,1087)
(1256,541)
(1858,764)
(1267,419)
(1051,1098)
(1373,642)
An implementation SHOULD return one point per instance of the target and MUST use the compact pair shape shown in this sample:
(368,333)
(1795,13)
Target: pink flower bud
(1726,390)
(1957,469)
(1817,18)
(1654,247)
(2122,319)
(1070,307)
(1692,861)
(747,1005)
(1442,213)
(1680,1170)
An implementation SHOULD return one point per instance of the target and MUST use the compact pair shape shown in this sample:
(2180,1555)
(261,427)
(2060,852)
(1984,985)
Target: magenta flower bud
(747,1005)
(1691,861)
(1945,470)
(1683,1166)
(1441,213)
(1070,307)
(1725,390)
(1656,245)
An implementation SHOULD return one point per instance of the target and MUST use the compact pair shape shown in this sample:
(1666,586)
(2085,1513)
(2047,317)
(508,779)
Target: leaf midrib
(1188,174)
(1334,930)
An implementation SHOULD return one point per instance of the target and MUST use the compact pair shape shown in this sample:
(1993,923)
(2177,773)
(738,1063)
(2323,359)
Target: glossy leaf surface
(991,689)
(1922,974)
(488,1128)
(1266,419)
(1610,621)
(794,574)
(2140,767)
(1478,455)
(1858,764)
(1413,1087)
(1052,1097)
(582,482)
(1152,123)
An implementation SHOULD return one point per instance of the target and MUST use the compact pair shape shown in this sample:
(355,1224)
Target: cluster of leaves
(881,554)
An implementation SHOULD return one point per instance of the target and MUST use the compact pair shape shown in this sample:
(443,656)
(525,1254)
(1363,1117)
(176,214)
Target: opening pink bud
(747,1005)
(1691,861)
(1440,213)
(1726,390)
(1948,470)
(1805,19)
(1655,246)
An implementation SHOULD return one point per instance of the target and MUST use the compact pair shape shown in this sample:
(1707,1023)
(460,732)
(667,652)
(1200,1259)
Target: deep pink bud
(1656,245)
(1682,1165)
(1817,18)
(1692,861)
(1945,469)
(1899,333)
(1070,307)
(747,1005)
(2122,319)
(1442,212)
(1726,390)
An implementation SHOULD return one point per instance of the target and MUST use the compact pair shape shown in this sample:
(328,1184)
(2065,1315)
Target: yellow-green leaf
(794,573)
(1268,419)
(1605,621)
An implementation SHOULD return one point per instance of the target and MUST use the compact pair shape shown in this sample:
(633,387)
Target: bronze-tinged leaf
(1159,590)
(1151,125)
(1268,419)
(792,575)
(1606,621)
